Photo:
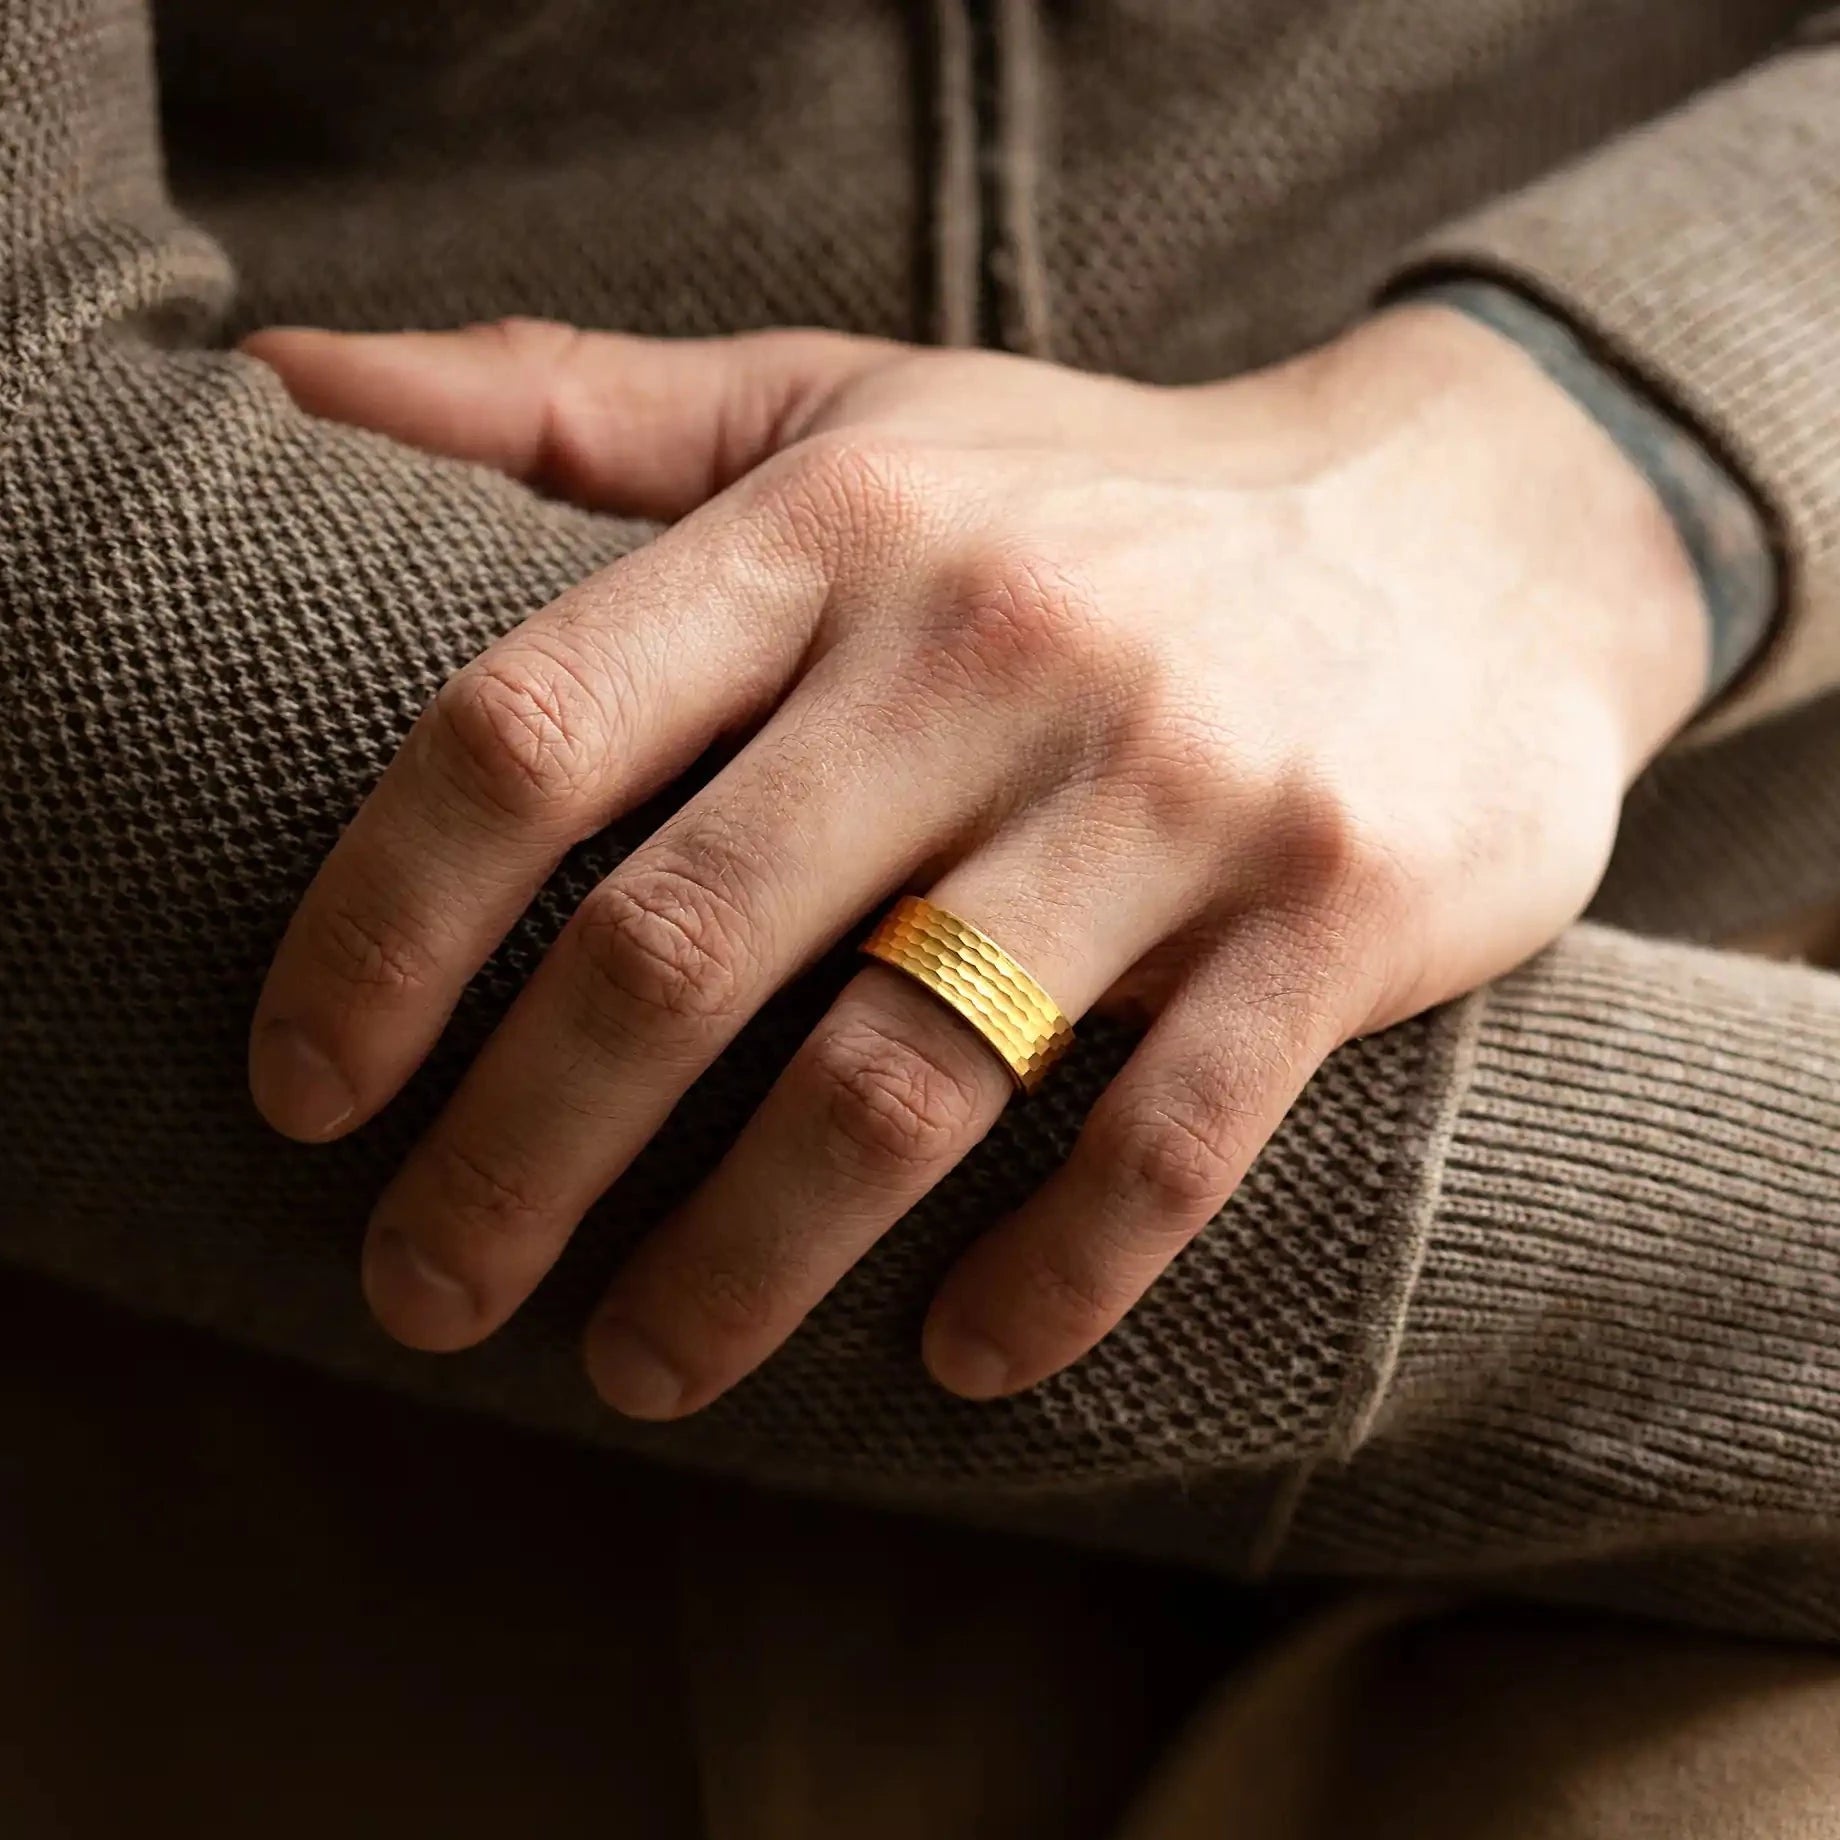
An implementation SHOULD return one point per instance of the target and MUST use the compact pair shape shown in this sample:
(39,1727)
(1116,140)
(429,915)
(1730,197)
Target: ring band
(975,976)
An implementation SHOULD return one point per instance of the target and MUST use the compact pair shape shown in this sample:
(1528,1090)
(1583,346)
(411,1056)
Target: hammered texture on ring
(975,976)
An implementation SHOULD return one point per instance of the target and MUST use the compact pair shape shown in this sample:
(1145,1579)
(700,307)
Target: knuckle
(1009,612)
(867,491)
(476,1194)
(896,1108)
(721,1305)
(370,953)
(1330,859)
(557,360)
(1181,1152)
(1181,771)
(520,734)
(663,942)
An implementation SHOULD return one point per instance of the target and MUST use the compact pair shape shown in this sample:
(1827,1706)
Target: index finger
(546,737)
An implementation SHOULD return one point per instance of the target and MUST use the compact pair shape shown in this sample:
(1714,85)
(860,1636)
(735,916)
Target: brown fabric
(1225,183)
(236,1599)
(1624,1338)
(217,618)
(1397,1721)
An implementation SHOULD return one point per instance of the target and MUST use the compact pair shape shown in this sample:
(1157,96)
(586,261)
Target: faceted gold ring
(971,973)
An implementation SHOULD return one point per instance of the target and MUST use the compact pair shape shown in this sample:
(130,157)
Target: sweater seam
(957,239)
(1019,279)
(1387,1293)
(1389,1281)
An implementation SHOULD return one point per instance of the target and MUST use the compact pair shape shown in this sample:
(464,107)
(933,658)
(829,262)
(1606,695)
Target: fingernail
(413,1297)
(630,1375)
(296,1088)
(965,1363)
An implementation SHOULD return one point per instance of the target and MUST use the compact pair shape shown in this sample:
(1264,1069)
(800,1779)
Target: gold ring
(975,976)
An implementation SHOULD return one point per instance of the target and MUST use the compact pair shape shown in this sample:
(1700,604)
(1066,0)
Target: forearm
(254,687)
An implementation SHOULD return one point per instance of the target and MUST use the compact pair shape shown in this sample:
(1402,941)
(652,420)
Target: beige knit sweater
(1543,1289)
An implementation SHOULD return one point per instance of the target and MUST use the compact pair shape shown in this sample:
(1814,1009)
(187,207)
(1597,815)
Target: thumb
(650,427)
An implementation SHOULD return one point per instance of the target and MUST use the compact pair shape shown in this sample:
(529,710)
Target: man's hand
(1276,710)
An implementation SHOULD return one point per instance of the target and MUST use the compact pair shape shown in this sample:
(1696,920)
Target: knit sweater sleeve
(217,619)
(1609,1368)
(1702,252)
(171,527)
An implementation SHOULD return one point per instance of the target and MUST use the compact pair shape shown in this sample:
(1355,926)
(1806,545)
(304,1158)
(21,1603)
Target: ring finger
(1162,1151)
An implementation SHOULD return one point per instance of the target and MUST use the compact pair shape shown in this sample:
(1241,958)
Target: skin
(1272,711)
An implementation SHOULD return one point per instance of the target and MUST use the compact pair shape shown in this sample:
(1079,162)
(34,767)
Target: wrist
(1608,587)
(1720,520)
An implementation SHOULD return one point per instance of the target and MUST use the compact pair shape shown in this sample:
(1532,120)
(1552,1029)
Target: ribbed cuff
(1703,254)
(1624,1335)
(1722,841)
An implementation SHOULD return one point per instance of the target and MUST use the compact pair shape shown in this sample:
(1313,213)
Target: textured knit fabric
(1625,1332)
(217,619)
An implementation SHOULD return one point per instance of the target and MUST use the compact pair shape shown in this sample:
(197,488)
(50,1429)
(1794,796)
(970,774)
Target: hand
(1275,711)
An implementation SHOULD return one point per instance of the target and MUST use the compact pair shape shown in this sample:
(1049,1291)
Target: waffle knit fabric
(1543,1288)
